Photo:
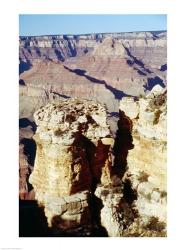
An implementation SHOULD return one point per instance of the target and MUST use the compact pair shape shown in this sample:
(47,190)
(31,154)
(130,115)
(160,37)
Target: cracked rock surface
(92,184)
(146,170)
(73,155)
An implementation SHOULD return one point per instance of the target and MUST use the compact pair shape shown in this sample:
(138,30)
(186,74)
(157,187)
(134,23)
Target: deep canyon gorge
(93,135)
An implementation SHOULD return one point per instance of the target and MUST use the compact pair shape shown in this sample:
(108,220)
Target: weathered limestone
(68,212)
(116,213)
(86,180)
(77,159)
(147,160)
(73,155)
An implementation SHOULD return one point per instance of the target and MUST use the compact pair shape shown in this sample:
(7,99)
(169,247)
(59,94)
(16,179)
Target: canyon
(93,143)
(106,67)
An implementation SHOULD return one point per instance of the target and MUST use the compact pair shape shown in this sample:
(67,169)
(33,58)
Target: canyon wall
(106,67)
(88,181)
(102,67)
(61,47)
(96,166)
(73,155)
(146,161)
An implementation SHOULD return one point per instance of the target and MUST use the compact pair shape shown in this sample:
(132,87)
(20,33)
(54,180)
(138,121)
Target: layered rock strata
(73,155)
(146,162)
(106,67)
(88,182)
(61,47)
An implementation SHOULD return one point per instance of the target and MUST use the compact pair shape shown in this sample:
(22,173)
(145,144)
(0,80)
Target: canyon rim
(93,135)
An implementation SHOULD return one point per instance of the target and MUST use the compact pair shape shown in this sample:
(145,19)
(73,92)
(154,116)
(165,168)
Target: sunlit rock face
(116,214)
(146,162)
(89,176)
(87,181)
(73,155)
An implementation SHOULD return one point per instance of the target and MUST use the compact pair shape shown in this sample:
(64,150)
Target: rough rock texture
(146,162)
(90,183)
(116,214)
(73,155)
(114,187)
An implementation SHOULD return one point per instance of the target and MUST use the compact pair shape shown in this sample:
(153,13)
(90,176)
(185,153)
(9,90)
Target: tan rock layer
(73,155)
(74,163)
(147,159)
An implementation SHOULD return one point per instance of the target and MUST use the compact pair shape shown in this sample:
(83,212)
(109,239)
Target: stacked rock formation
(84,178)
(147,160)
(73,155)
(88,182)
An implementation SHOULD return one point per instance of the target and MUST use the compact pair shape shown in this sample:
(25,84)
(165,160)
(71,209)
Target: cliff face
(73,155)
(61,47)
(90,182)
(81,162)
(146,162)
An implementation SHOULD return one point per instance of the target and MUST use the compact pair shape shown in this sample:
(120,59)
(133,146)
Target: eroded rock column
(146,162)
(73,155)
